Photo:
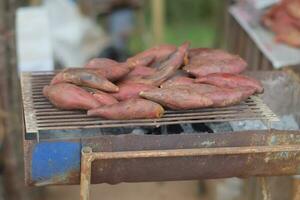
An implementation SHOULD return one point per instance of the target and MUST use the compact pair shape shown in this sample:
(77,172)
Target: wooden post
(158,20)
(13,168)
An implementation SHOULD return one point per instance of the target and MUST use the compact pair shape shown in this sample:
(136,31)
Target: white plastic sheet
(279,54)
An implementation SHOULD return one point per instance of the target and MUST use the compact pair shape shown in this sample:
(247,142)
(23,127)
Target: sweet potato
(110,69)
(84,77)
(158,53)
(177,80)
(167,69)
(225,97)
(68,96)
(231,81)
(129,109)
(104,98)
(141,71)
(207,61)
(131,90)
(292,7)
(137,61)
(100,63)
(179,97)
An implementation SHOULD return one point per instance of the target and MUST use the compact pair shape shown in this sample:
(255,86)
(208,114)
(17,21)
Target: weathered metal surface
(88,157)
(42,117)
(239,163)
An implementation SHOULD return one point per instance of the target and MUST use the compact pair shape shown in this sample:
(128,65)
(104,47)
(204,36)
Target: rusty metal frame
(88,156)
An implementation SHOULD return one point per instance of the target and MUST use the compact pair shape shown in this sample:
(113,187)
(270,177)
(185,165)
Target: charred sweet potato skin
(129,109)
(68,96)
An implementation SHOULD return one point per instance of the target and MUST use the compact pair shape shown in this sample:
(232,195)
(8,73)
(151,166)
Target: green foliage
(182,11)
(185,20)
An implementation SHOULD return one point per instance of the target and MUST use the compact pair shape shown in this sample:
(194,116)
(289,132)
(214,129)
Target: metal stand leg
(264,188)
(85,176)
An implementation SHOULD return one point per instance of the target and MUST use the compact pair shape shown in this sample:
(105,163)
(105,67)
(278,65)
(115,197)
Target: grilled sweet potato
(177,80)
(69,96)
(110,69)
(179,97)
(100,63)
(129,109)
(131,90)
(231,81)
(140,71)
(140,60)
(167,69)
(104,98)
(208,61)
(225,97)
(158,53)
(84,77)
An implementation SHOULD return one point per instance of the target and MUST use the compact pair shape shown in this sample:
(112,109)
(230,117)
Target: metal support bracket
(88,156)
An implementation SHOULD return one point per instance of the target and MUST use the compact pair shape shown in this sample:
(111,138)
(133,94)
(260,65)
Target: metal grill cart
(66,147)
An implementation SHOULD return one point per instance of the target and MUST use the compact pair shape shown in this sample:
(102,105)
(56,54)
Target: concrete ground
(131,191)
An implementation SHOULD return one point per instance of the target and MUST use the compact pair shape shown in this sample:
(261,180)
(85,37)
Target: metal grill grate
(41,115)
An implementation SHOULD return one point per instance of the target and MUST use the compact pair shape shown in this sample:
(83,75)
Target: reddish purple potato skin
(204,61)
(158,53)
(231,81)
(130,90)
(105,98)
(129,109)
(108,68)
(179,97)
(167,68)
(100,63)
(179,80)
(84,77)
(141,71)
(68,96)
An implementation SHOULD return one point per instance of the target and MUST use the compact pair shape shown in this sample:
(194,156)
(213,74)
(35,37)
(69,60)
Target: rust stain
(66,178)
